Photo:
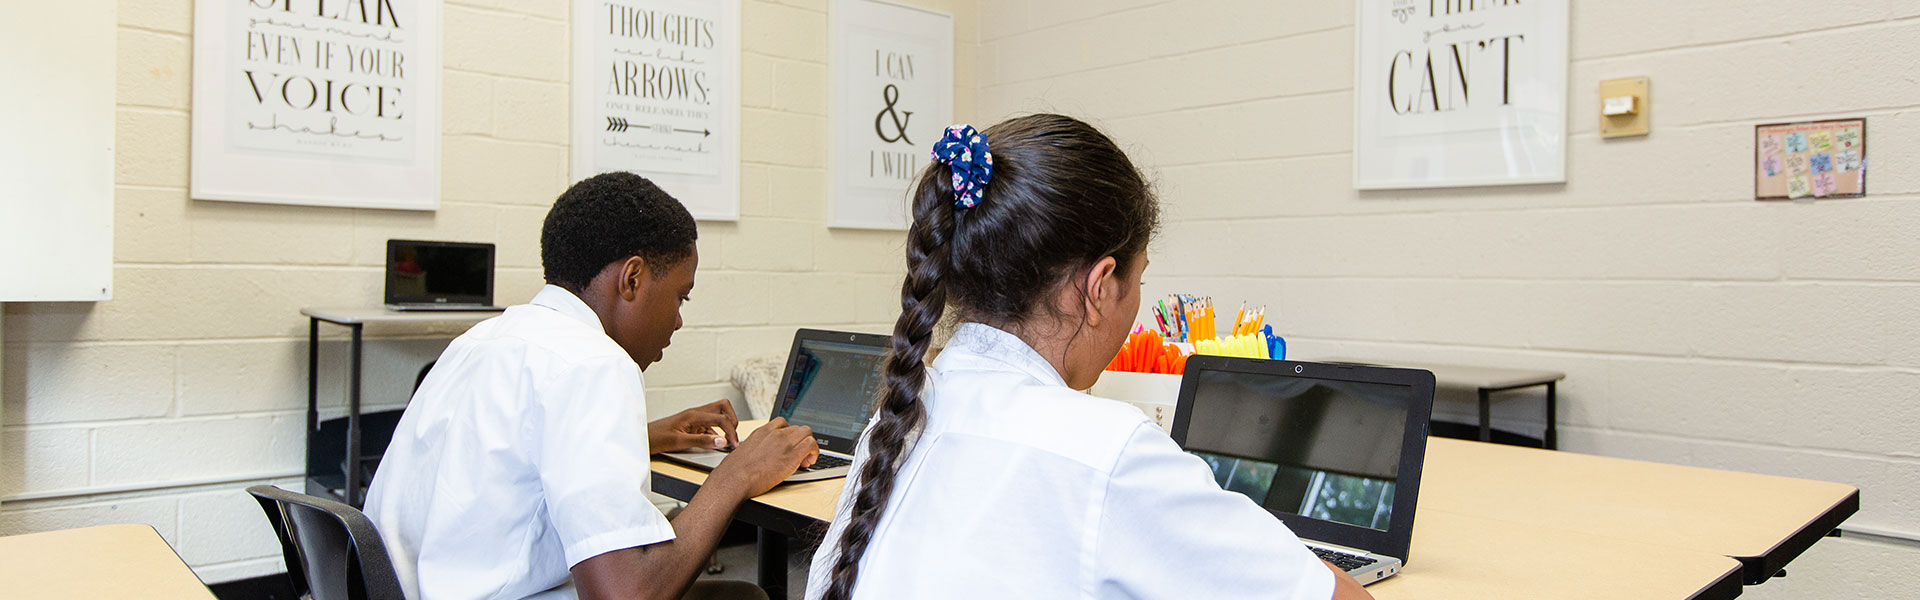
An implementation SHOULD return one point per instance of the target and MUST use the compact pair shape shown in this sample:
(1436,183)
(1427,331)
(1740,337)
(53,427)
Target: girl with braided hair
(985,475)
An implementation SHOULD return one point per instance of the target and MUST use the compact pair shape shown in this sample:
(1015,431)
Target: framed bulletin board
(1822,159)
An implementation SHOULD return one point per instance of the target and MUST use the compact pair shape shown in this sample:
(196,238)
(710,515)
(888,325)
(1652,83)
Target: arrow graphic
(621,124)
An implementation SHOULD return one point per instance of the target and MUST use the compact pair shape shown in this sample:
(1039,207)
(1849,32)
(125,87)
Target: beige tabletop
(104,562)
(1457,556)
(1454,555)
(1723,512)
(812,499)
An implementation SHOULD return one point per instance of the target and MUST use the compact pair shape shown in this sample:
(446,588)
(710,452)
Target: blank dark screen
(1318,448)
(427,272)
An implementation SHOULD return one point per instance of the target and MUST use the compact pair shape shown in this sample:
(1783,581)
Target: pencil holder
(1152,393)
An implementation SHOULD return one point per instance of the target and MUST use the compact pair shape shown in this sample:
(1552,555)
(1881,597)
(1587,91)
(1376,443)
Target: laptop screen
(1318,448)
(439,272)
(832,387)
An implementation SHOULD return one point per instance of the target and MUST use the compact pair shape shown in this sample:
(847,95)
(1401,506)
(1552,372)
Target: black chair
(332,550)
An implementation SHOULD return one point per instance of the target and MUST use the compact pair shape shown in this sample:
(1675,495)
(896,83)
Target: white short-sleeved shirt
(1020,487)
(523,453)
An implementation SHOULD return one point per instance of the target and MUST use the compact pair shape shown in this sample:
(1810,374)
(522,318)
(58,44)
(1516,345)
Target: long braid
(900,414)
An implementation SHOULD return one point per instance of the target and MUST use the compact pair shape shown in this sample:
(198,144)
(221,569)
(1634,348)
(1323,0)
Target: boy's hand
(768,456)
(694,428)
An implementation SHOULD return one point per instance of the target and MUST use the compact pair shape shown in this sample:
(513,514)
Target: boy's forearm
(664,570)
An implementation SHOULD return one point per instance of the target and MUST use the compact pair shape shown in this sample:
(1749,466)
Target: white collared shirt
(522,454)
(1020,487)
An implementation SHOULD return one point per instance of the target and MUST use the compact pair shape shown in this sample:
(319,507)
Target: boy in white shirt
(520,465)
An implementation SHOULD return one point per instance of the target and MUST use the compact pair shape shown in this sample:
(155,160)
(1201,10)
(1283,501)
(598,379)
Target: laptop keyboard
(827,462)
(821,462)
(1346,562)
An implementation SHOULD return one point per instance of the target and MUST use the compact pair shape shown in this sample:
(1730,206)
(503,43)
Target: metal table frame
(355,320)
(1551,439)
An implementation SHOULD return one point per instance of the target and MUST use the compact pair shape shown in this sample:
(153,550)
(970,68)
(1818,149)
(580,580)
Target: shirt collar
(564,302)
(982,346)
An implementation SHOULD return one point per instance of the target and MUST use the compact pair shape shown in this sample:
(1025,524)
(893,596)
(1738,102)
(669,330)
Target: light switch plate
(1633,124)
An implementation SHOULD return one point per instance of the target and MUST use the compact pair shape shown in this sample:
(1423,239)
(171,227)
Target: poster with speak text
(319,103)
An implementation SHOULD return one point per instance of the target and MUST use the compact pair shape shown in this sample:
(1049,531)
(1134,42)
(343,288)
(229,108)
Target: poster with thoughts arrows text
(656,92)
(892,97)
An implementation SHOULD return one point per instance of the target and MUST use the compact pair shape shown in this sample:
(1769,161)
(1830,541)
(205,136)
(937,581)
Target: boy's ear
(633,273)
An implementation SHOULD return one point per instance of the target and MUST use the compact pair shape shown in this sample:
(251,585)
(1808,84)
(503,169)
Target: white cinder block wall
(157,407)
(1695,325)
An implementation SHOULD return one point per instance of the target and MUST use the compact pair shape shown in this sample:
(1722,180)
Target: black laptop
(425,275)
(832,383)
(1334,451)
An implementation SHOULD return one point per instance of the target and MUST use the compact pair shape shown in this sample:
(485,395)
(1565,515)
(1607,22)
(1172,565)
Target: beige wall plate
(1622,125)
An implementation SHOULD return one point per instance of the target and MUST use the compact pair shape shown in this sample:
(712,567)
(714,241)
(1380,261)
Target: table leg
(313,378)
(1486,415)
(354,494)
(773,564)
(1553,437)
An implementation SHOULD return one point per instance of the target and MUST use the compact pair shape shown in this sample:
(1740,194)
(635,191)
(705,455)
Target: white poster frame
(224,173)
(860,207)
(1528,145)
(707,197)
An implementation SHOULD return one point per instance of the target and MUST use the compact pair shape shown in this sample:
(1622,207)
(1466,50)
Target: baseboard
(265,587)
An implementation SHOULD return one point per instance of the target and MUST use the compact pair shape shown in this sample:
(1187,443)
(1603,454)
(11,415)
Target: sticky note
(1797,187)
(1796,142)
(1848,161)
(1823,184)
(1769,145)
(1821,140)
(1847,138)
(1771,166)
(1797,164)
(1822,163)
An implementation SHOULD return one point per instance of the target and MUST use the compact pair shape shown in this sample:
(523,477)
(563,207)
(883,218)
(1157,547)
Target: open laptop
(439,276)
(1334,451)
(831,384)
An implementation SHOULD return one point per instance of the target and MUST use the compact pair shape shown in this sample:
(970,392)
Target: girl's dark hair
(1063,196)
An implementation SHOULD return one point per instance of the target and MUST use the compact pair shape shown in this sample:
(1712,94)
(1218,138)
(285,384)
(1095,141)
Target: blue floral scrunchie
(965,152)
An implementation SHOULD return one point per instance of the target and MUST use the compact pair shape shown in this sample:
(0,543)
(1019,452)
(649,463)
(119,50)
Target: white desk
(1485,381)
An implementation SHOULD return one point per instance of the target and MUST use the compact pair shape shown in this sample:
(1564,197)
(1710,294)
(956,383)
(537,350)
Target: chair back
(332,550)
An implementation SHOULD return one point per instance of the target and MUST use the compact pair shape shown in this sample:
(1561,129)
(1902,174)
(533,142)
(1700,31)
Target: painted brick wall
(1695,325)
(158,406)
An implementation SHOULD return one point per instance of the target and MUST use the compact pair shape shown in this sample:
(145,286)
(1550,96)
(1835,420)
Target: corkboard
(1819,159)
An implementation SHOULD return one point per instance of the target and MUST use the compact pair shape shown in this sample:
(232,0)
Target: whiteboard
(56,150)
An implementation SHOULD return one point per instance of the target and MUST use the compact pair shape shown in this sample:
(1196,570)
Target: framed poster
(891,69)
(656,91)
(1822,159)
(319,103)
(1451,93)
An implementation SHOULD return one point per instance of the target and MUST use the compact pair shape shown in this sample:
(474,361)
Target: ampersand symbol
(891,95)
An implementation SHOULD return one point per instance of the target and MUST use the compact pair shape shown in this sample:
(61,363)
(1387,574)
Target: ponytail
(1063,196)
(923,300)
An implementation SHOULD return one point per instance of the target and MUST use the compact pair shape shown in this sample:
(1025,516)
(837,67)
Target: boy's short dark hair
(607,218)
